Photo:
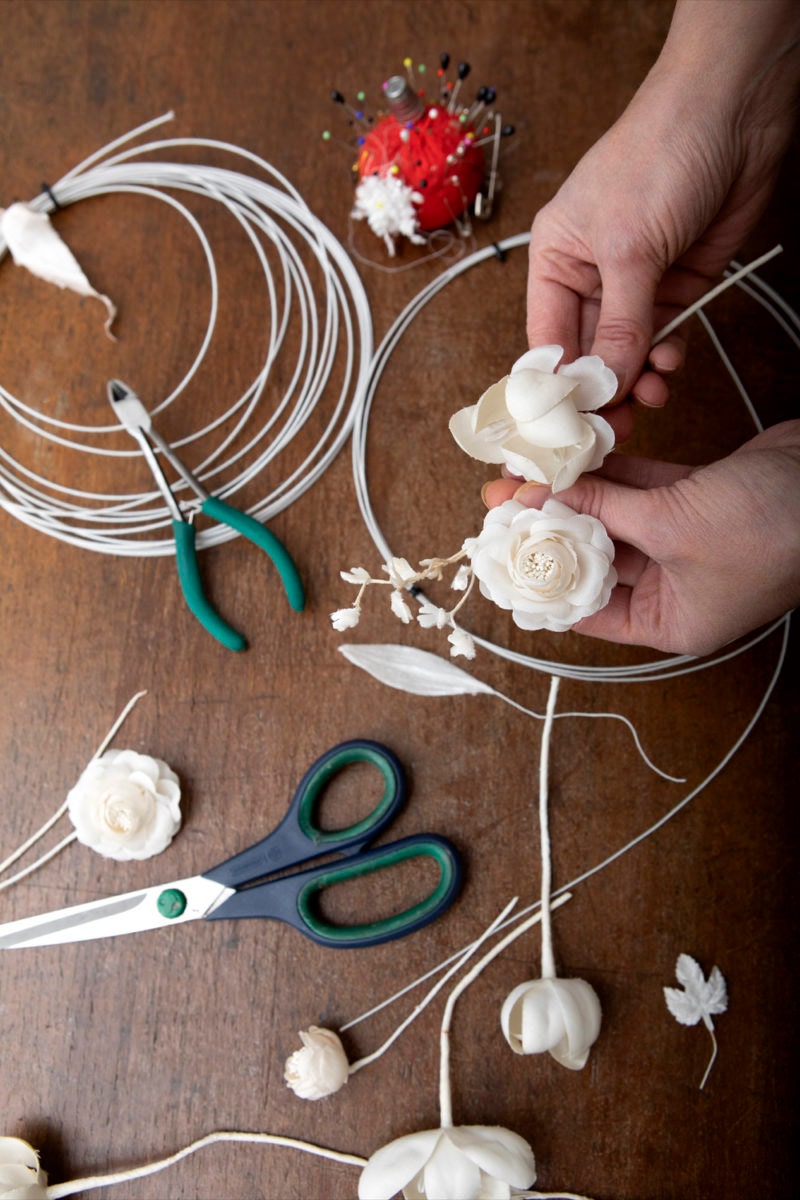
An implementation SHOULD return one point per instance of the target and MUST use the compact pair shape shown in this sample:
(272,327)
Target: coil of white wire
(335,328)
(664,668)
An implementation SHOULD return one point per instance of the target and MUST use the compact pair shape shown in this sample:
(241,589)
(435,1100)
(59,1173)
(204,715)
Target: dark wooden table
(115,1053)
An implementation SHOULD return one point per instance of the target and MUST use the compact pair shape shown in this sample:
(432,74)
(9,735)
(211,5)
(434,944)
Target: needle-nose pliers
(132,413)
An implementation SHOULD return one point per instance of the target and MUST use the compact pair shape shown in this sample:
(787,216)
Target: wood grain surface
(113,1053)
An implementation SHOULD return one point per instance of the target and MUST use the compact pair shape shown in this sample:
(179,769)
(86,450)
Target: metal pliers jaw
(134,416)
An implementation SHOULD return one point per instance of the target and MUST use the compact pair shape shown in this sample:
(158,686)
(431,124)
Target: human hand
(653,213)
(704,555)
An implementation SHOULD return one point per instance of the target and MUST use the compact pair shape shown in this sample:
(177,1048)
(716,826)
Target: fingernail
(530,492)
(483,492)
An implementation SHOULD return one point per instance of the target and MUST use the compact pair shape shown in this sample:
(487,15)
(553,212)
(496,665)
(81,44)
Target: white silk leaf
(35,245)
(411,670)
(700,998)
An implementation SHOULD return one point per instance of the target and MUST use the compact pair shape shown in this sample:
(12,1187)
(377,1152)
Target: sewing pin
(462,73)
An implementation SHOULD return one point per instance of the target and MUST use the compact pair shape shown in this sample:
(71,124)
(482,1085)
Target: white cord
(334,325)
(665,668)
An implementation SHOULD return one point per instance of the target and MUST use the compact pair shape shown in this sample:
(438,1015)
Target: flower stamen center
(539,566)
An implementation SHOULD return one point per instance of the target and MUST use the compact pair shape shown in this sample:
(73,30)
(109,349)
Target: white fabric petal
(530,394)
(484,446)
(597,383)
(562,427)
(450,1174)
(499,1152)
(394,1165)
(540,358)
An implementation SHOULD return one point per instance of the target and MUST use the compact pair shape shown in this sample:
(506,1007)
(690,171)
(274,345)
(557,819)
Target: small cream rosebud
(320,1068)
(21,1177)
(561,1016)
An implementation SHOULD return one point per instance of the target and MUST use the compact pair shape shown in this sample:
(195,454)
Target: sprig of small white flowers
(402,578)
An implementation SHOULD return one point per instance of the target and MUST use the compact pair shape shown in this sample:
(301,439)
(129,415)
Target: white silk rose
(320,1068)
(540,419)
(551,566)
(21,1177)
(463,1162)
(561,1016)
(126,805)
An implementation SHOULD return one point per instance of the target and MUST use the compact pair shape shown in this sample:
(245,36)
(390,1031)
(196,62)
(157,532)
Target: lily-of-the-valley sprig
(549,567)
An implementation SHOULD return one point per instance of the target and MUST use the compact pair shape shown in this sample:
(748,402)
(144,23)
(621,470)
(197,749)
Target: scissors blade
(131,912)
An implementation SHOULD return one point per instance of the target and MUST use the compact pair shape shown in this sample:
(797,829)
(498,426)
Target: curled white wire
(335,328)
(664,668)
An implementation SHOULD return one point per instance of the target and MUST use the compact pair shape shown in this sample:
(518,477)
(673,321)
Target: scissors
(132,413)
(223,891)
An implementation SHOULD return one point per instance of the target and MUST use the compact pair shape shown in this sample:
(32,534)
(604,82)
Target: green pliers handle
(189,571)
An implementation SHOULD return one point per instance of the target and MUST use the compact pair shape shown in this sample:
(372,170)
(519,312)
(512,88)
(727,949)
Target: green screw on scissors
(134,416)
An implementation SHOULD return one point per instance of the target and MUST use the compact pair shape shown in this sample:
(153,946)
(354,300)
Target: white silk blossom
(540,420)
(561,1016)
(462,1162)
(21,1177)
(551,566)
(126,805)
(320,1067)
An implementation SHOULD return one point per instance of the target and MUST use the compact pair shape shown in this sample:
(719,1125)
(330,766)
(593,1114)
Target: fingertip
(497,491)
(532,495)
(667,356)
(650,390)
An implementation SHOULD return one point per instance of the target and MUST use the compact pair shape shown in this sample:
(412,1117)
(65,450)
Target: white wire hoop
(335,331)
(660,669)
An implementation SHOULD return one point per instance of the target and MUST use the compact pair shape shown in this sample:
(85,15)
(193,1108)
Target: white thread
(335,331)
(58,1190)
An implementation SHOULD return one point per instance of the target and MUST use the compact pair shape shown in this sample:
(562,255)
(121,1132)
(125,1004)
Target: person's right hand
(652,214)
(703,555)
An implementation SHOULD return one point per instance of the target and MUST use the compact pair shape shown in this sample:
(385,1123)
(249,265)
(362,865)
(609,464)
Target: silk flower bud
(561,1016)
(320,1068)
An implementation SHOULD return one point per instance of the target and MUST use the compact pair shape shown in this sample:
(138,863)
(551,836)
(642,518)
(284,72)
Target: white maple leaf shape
(699,1000)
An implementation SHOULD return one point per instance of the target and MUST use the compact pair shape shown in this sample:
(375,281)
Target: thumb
(625,325)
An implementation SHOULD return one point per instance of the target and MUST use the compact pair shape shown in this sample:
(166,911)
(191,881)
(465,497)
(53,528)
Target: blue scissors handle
(292,898)
(299,838)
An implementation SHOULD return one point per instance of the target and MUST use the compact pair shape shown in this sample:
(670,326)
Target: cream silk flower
(551,566)
(462,1162)
(126,805)
(21,1177)
(320,1067)
(540,420)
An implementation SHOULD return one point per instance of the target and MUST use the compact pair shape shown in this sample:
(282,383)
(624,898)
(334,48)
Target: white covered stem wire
(660,669)
(335,330)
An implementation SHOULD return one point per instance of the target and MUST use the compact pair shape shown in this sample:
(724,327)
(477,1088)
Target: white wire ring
(335,327)
(665,668)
